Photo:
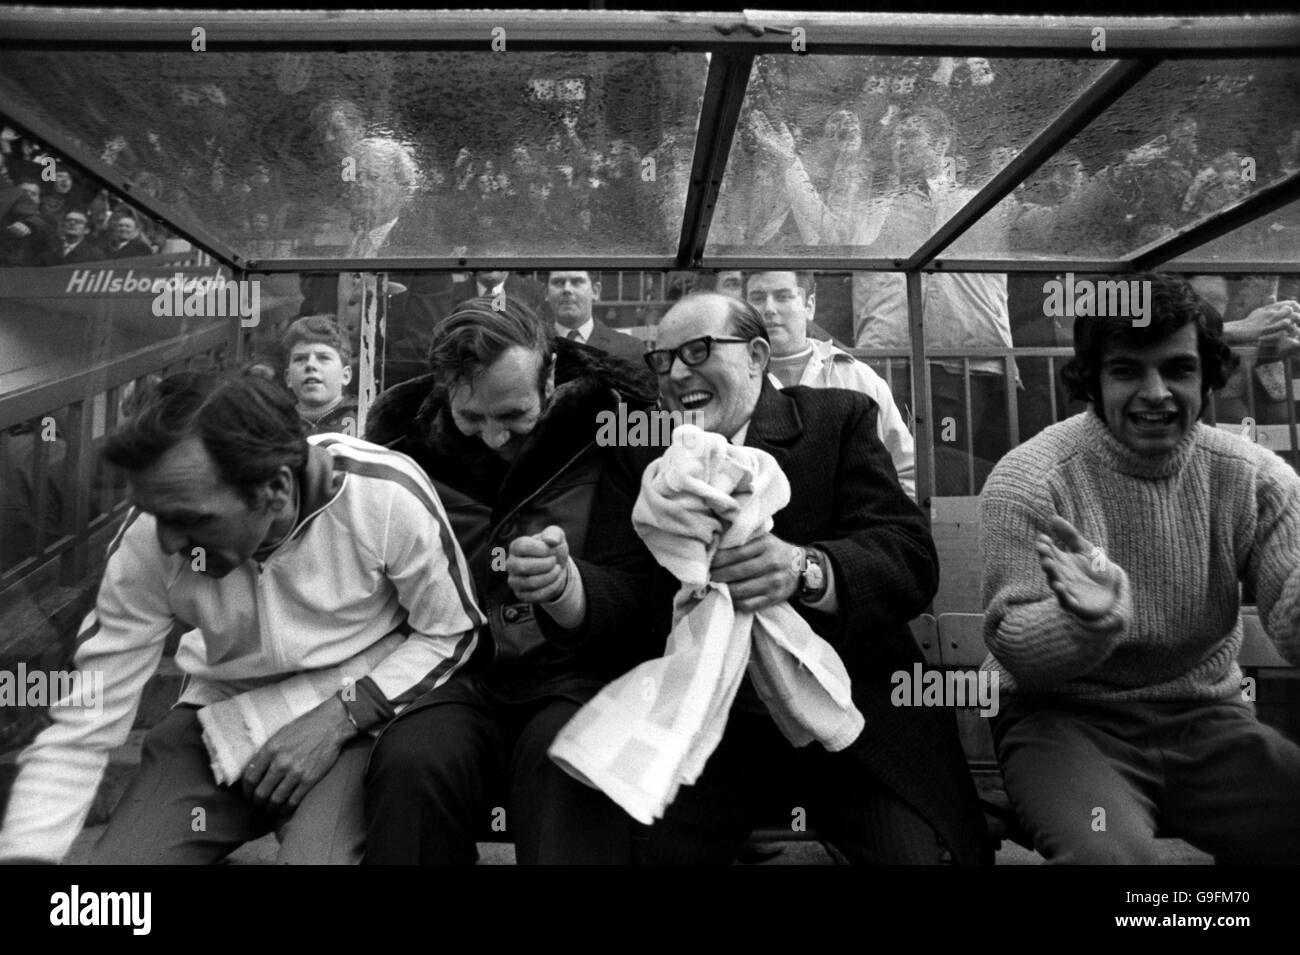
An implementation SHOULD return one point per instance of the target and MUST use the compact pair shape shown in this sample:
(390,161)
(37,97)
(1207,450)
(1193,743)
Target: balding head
(722,390)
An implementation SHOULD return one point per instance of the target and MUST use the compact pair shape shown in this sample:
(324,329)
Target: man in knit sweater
(1114,546)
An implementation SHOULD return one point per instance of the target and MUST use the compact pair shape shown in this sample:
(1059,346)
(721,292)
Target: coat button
(511,614)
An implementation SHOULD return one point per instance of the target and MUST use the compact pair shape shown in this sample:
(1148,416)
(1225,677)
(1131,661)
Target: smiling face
(316,374)
(786,312)
(193,508)
(502,405)
(1151,397)
(720,393)
(571,295)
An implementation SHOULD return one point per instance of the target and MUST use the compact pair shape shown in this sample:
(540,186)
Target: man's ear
(277,493)
(595,291)
(347,375)
(812,305)
(759,352)
(550,379)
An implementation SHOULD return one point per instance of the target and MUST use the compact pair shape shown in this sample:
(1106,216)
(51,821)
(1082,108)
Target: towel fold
(235,729)
(653,729)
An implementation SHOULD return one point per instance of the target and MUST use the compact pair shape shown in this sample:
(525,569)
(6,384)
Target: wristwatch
(810,565)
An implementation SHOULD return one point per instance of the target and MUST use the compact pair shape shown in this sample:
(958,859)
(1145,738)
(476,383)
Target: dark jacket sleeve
(886,568)
(629,595)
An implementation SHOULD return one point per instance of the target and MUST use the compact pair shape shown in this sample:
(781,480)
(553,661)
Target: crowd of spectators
(51,215)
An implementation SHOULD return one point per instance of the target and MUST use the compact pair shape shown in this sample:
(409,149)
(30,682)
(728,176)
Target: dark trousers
(445,776)
(174,813)
(755,773)
(1092,782)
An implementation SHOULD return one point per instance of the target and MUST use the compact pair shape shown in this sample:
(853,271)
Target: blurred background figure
(962,310)
(72,244)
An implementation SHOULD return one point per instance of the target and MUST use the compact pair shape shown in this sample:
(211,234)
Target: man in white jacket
(787,302)
(286,555)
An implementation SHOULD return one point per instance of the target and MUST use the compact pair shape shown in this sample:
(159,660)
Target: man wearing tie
(571,295)
(519,287)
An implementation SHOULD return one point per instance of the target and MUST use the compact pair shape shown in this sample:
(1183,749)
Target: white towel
(235,729)
(653,729)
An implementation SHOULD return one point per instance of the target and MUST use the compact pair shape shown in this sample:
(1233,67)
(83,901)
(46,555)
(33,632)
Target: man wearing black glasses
(851,554)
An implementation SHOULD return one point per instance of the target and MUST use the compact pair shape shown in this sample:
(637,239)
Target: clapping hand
(1085,582)
(773,138)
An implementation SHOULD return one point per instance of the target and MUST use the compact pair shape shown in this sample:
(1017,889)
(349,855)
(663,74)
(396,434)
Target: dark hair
(744,320)
(476,334)
(315,330)
(592,278)
(1173,304)
(805,279)
(248,425)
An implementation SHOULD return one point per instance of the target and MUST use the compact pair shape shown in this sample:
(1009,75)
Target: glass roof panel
(307,155)
(1271,238)
(1189,138)
(826,156)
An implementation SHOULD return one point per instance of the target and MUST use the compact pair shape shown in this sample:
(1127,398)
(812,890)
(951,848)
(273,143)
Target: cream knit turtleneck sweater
(1185,527)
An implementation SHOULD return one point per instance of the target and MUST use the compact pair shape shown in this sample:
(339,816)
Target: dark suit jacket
(528,291)
(87,250)
(17,206)
(616,343)
(846,501)
(132,250)
(412,312)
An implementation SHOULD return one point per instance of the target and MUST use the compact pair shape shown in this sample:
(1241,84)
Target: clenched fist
(537,567)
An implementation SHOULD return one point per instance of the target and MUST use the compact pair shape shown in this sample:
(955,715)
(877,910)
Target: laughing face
(1151,397)
(722,391)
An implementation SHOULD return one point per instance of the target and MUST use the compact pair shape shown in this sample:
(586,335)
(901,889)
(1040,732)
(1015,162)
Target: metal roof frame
(1137,45)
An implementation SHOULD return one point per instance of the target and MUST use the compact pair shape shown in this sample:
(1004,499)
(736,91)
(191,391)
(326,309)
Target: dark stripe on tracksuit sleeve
(458,575)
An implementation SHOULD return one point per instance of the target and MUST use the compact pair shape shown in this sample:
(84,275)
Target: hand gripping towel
(653,729)
(235,729)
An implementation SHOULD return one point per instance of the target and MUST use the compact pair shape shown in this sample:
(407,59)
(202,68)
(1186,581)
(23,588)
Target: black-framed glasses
(692,353)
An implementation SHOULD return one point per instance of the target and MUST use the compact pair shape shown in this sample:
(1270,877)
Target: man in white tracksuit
(287,556)
(787,301)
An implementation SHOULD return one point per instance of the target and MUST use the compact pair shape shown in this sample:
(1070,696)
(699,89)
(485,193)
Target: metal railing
(71,496)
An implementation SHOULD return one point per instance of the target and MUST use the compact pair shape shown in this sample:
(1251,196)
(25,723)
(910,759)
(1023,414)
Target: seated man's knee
(1098,842)
(413,750)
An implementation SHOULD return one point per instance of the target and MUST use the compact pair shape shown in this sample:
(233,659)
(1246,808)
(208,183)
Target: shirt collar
(584,330)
